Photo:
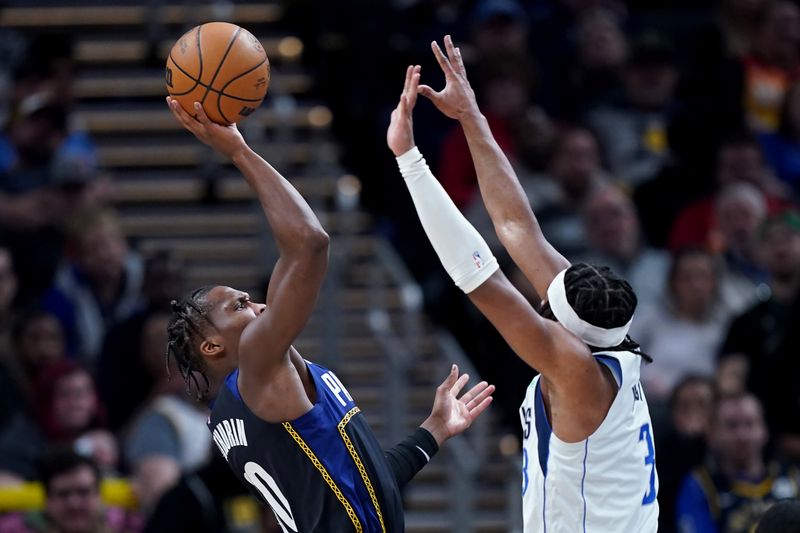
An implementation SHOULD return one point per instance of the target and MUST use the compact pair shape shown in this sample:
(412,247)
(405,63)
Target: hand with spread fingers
(225,139)
(400,135)
(457,99)
(452,415)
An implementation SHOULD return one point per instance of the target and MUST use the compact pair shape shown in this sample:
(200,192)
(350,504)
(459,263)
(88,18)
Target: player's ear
(212,346)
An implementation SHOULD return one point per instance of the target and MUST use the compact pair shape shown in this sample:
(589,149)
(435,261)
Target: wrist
(472,118)
(408,158)
(436,429)
(240,154)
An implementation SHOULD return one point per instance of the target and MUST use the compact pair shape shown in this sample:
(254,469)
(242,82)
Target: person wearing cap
(588,457)
(634,132)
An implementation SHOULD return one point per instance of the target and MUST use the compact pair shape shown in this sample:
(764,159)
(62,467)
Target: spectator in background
(574,170)
(68,413)
(100,284)
(739,212)
(633,133)
(594,79)
(736,485)
(782,148)
(683,334)
(681,441)
(45,175)
(48,66)
(37,340)
(73,502)
(773,65)
(499,27)
(125,383)
(738,25)
(755,336)
(170,436)
(615,239)
(783,401)
(504,86)
(200,503)
(739,160)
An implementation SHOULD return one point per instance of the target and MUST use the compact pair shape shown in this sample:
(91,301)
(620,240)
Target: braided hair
(601,298)
(185,331)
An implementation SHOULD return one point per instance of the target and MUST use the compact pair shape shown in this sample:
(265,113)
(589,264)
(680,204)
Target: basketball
(222,66)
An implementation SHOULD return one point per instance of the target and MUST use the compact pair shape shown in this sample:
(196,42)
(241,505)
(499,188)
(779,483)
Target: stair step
(104,16)
(151,85)
(431,497)
(99,122)
(438,522)
(172,187)
(189,153)
(115,51)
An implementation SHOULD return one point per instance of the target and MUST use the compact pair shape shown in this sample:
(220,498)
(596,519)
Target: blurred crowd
(662,139)
(85,393)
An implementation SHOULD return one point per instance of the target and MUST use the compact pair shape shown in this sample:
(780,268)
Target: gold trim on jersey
(325,475)
(710,490)
(359,464)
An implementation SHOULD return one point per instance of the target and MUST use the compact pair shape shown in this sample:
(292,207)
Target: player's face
(232,311)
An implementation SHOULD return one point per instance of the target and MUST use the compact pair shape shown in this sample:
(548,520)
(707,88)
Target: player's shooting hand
(400,135)
(457,99)
(451,415)
(225,139)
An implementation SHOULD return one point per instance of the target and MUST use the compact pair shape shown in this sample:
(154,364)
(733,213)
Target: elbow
(316,242)
(320,241)
(509,231)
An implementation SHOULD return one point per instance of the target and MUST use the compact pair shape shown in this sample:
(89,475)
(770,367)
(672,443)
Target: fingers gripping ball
(222,66)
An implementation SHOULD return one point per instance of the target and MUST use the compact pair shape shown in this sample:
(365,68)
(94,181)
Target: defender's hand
(400,135)
(457,99)
(225,139)
(452,415)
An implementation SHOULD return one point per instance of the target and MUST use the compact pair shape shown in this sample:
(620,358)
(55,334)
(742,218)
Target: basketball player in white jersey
(588,457)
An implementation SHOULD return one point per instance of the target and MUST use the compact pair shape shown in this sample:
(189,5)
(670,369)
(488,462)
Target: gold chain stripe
(359,464)
(325,475)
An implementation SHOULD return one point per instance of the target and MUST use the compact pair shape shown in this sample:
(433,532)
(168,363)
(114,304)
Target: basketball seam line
(211,89)
(221,62)
(222,91)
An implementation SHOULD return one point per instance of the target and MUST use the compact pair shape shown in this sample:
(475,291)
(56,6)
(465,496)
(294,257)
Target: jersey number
(265,484)
(650,459)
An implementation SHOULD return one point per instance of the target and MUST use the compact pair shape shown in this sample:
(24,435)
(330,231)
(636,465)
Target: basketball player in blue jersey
(288,428)
(588,457)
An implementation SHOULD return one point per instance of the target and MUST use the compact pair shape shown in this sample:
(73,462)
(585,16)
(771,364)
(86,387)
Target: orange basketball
(222,66)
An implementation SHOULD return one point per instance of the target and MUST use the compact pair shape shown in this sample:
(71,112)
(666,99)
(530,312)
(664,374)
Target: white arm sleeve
(464,254)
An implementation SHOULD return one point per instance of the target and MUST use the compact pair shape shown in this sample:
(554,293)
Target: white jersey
(605,483)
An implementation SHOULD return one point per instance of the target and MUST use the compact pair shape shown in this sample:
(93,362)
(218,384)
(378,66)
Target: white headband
(566,315)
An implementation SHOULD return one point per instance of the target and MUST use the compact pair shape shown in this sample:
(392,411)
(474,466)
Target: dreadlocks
(601,298)
(185,330)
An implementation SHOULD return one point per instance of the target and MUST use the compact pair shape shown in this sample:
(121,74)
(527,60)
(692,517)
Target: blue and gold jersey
(322,472)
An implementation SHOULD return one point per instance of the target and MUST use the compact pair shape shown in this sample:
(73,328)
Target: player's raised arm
(468,260)
(301,240)
(506,202)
